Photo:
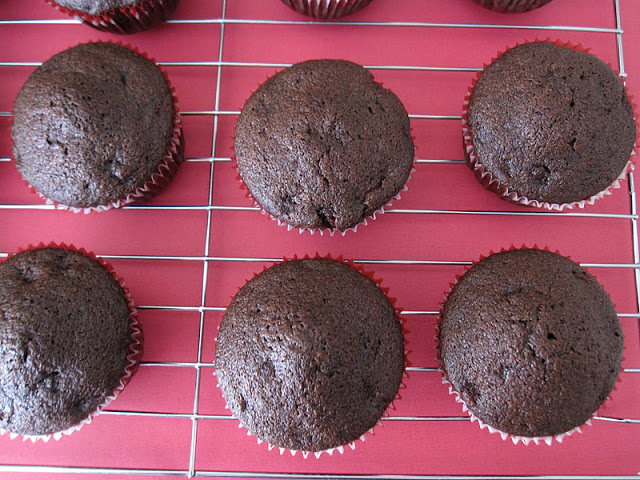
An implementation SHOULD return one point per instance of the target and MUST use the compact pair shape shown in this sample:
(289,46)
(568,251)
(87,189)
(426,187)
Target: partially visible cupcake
(321,145)
(118,16)
(549,126)
(97,126)
(531,343)
(327,9)
(309,355)
(512,6)
(69,341)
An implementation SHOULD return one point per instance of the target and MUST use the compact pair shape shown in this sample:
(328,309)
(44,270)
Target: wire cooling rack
(185,253)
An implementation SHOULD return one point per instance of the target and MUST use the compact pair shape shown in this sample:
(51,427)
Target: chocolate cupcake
(321,145)
(118,16)
(531,343)
(512,6)
(309,355)
(549,126)
(96,126)
(69,341)
(327,9)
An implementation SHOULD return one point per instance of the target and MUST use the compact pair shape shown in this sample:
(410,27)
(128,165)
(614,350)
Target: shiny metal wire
(207,258)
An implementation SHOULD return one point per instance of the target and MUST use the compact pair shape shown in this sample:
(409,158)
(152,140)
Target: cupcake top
(322,145)
(64,339)
(531,342)
(96,7)
(309,354)
(92,124)
(512,6)
(551,123)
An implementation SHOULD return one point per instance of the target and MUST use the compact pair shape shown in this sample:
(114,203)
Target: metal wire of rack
(209,257)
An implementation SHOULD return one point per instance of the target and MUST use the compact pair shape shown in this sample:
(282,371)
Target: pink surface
(446,218)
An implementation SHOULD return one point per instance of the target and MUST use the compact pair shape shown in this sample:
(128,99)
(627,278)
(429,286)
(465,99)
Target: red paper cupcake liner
(135,347)
(507,193)
(125,20)
(445,380)
(326,9)
(166,170)
(340,449)
(512,6)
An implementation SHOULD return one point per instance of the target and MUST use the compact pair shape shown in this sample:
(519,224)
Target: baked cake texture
(551,123)
(321,145)
(96,7)
(531,342)
(93,124)
(65,334)
(309,354)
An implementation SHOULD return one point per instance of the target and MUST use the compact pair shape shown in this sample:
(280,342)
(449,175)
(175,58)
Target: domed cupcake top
(321,145)
(531,342)
(93,124)
(65,339)
(309,354)
(551,123)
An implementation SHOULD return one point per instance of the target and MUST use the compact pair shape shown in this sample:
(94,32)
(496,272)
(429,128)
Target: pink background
(444,220)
